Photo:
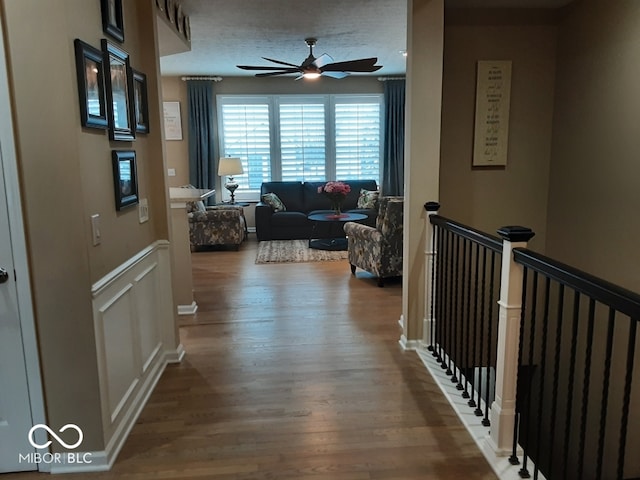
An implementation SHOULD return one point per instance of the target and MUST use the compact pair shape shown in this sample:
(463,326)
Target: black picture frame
(140,101)
(170,10)
(112,19)
(91,95)
(125,178)
(119,89)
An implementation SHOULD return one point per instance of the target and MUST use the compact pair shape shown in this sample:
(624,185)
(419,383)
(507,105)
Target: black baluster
(439,287)
(605,392)
(472,402)
(543,362)
(570,385)
(524,472)
(432,309)
(462,320)
(465,394)
(556,375)
(478,411)
(631,346)
(585,386)
(513,459)
(450,309)
(456,319)
(485,421)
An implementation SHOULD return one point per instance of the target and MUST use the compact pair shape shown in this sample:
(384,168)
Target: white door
(15,406)
(15,409)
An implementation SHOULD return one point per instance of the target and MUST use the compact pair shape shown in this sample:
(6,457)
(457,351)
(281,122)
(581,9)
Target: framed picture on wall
(140,102)
(125,178)
(91,95)
(112,19)
(119,87)
(172,121)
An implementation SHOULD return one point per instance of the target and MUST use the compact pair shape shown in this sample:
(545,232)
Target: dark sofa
(300,200)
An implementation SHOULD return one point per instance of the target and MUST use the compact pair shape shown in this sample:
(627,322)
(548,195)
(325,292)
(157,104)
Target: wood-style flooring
(293,371)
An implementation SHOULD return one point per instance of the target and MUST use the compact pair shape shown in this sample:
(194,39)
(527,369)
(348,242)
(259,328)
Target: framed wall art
(491,130)
(125,178)
(91,94)
(119,88)
(112,19)
(172,121)
(170,10)
(140,101)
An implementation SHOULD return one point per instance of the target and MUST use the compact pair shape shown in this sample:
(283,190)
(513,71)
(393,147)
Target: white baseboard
(177,356)
(409,344)
(188,309)
(480,434)
(102,461)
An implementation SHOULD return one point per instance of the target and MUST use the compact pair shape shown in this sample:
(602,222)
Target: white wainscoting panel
(136,337)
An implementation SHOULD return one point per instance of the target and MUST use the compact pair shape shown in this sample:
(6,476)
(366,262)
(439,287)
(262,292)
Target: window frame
(273,102)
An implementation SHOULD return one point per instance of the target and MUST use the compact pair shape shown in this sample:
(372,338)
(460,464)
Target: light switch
(143,210)
(172,172)
(95,229)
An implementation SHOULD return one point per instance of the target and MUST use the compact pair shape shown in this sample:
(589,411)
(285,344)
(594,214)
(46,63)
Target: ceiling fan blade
(322,60)
(252,67)
(337,75)
(280,72)
(362,65)
(280,62)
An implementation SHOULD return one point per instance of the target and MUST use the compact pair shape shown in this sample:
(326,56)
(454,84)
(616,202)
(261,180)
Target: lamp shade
(230,166)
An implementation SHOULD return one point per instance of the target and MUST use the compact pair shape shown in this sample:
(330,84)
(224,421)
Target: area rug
(294,251)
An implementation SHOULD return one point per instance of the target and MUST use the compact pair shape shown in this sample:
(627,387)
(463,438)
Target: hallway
(293,371)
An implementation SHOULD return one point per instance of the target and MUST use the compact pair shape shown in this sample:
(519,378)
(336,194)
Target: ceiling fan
(313,67)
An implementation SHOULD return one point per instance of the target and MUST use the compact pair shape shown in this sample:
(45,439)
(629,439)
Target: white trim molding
(134,323)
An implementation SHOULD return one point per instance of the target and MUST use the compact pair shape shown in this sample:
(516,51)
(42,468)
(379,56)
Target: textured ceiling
(225,33)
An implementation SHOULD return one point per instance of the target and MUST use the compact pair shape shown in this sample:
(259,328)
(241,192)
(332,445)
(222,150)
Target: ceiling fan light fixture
(311,75)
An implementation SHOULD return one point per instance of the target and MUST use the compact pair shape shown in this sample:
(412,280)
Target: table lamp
(230,166)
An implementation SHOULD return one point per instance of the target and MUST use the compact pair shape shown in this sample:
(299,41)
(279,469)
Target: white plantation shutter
(301,137)
(357,140)
(246,134)
(302,142)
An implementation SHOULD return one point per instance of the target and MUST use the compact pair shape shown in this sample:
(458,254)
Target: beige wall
(175,90)
(66,176)
(594,194)
(425,37)
(488,198)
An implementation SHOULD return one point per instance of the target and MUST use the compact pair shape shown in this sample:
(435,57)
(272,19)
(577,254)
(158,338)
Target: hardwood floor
(293,371)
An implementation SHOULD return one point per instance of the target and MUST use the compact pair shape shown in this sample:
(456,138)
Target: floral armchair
(378,250)
(216,225)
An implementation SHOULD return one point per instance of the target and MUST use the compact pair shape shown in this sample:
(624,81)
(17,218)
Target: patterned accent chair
(378,250)
(215,225)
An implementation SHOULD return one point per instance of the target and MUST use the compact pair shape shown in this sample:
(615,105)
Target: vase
(336,206)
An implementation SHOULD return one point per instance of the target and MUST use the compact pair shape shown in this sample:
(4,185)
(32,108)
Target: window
(306,138)
(245,134)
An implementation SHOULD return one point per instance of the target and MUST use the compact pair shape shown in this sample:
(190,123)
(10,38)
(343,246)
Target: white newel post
(503,409)
(429,280)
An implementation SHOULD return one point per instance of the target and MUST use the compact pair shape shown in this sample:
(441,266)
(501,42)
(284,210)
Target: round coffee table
(331,243)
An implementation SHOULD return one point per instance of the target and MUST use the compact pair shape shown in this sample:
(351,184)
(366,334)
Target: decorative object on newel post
(336,192)
(230,166)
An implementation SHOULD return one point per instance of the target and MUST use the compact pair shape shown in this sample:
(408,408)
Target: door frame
(9,165)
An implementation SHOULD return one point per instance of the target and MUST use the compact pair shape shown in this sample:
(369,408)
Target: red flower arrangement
(336,192)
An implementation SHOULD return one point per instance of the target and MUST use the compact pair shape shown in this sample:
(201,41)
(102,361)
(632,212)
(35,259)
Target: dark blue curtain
(203,158)
(393,155)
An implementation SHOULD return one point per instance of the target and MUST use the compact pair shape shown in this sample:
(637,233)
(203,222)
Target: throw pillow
(368,199)
(194,206)
(273,201)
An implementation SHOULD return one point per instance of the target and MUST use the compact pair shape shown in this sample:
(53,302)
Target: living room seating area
(289,221)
